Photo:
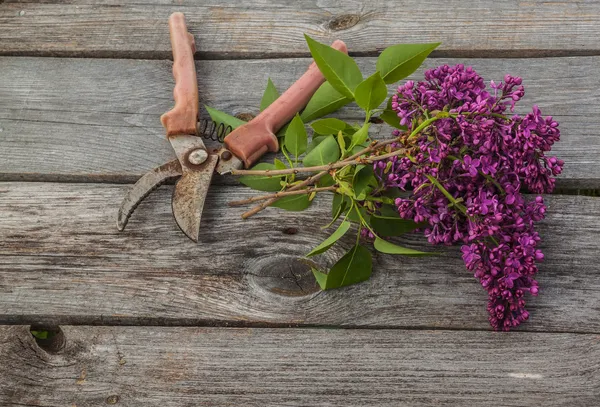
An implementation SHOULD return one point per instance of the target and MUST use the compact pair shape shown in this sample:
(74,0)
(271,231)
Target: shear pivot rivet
(226,156)
(198,156)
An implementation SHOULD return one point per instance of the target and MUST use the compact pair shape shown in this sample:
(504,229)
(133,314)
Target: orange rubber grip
(253,139)
(183,117)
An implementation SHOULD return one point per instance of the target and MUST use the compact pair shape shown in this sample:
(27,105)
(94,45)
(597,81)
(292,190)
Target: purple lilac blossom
(482,155)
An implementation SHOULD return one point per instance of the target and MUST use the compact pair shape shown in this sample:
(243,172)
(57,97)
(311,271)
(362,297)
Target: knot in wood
(281,275)
(114,399)
(245,116)
(290,231)
(343,22)
(49,338)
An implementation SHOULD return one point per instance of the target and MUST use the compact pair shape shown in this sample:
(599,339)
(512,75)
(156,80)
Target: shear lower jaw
(227,162)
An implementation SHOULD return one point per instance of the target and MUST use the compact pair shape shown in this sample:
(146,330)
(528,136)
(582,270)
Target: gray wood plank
(156,366)
(256,28)
(91,120)
(62,260)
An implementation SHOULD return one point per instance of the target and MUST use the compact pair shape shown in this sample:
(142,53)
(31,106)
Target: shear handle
(183,117)
(250,141)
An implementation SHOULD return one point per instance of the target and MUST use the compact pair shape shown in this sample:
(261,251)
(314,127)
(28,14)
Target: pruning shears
(195,164)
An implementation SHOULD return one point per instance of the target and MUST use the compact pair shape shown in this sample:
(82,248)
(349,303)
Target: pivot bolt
(198,156)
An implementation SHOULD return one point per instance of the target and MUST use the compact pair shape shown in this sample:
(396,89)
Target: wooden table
(149,318)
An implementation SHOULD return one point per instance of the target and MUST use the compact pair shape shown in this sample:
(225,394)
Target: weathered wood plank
(257,28)
(63,261)
(156,366)
(89,120)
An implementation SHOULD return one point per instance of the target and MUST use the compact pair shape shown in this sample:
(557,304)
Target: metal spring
(210,130)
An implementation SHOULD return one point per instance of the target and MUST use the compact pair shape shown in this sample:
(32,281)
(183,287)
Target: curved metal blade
(189,195)
(143,187)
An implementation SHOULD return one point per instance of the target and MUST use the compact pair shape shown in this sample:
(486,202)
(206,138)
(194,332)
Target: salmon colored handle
(250,141)
(183,117)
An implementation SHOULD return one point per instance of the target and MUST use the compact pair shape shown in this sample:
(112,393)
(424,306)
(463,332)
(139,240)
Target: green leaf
(320,277)
(371,92)
(336,204)
(354,267)
(293,203)
(262,182)
(399,61)
(295,137)
(325,100)
(328,126)
(342,142)
(316,140)
(40,334)
(279,165)
(325,181)
(363,177)
(391,117)
(384,246)
(387,226)
(326,152)
(360,136)
(220,117)
(271,94)
(335,236)
(336,210)
(353,215)
(338,68)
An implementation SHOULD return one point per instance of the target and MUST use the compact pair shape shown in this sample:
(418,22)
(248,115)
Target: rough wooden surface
(421,333)
(90,120)
(258,28)
(62,260)
(141,366)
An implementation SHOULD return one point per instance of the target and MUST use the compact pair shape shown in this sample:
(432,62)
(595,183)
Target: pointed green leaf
(220,117)
(384,246)
(325,181)
(325,100)
(363,177)
(293,203)
(360,136)
(399,61)
(336,203)
(280,165)
(354,267)
(262,182)
(271,94)
(334,237)
(320,277)
(316,140)
(295,137)
(342,142)
(336,212)
(328,126)
(326,152)
(338,68)
(387,226)
(371,92)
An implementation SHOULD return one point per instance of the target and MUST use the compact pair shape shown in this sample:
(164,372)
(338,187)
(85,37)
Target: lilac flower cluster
(466,171)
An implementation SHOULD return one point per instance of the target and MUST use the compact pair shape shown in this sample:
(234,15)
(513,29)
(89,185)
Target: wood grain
(98,120)
(255,28)
(154,366)
(62,261)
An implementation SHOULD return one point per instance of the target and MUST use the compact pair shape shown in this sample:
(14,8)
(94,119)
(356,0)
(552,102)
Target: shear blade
(143,187)
(189,196)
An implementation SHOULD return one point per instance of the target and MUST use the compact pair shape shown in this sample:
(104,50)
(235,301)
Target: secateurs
(195,164)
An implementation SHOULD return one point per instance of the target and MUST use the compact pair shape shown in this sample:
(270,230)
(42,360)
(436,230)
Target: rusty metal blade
(228,162)
(189,196)
(143,187)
